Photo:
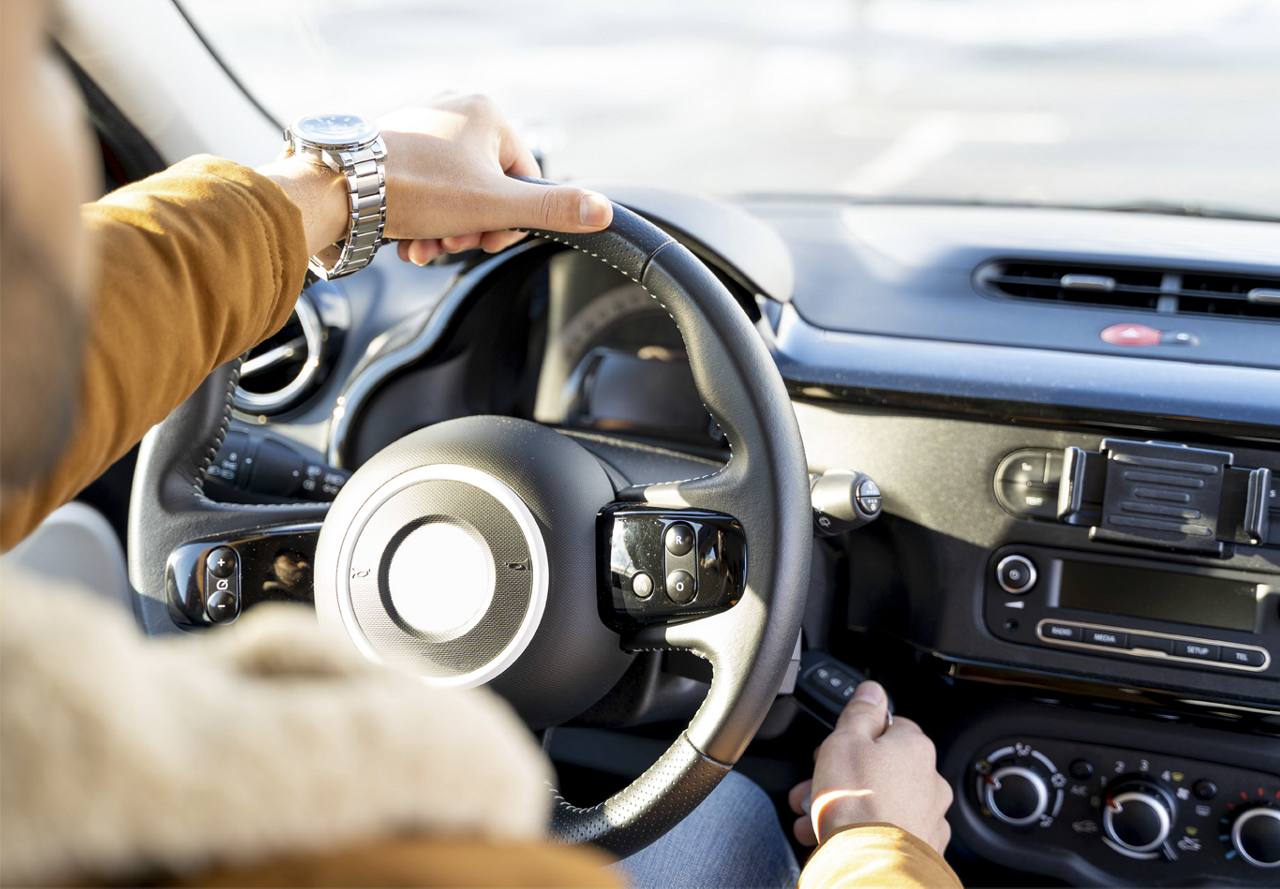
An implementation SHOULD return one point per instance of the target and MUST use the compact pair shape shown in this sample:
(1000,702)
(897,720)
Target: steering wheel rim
(764,485)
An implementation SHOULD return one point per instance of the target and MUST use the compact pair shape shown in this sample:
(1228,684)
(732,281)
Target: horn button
(465,553)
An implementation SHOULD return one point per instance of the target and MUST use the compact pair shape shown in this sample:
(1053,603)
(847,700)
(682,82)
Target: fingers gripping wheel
(764,487)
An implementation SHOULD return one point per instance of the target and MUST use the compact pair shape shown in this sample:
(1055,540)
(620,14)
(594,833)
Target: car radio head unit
(1177,597)
(1182,615)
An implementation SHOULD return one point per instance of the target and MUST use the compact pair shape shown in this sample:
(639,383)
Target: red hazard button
(1131,335)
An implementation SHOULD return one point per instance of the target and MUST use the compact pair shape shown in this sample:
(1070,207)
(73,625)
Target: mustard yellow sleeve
(194,265)
(876,855)
(426,862)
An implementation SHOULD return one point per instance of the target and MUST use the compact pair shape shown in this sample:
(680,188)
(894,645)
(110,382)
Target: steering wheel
(491,550)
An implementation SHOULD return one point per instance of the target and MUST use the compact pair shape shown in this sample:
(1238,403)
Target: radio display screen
(1160,595)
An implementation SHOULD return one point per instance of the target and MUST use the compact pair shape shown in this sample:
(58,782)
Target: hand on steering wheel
(527,499)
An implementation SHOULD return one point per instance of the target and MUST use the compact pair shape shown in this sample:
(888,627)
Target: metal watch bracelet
(367,205)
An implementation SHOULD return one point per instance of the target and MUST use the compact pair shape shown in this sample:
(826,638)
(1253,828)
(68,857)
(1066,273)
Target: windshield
(1158,103)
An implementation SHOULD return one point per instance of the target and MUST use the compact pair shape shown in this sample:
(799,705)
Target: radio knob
(1016,574)
(1256,836)
(1137,816)
(1016,795)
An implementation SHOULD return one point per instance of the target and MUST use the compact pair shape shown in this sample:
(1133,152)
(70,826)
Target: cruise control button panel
(213,582)
(222,585)
(659,565)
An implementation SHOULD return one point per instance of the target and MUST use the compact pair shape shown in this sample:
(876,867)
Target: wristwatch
(350,145)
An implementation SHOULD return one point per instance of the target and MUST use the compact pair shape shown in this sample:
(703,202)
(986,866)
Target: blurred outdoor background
(1097,102)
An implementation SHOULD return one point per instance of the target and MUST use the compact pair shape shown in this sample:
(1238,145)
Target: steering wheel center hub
(465,553)
(443,568)
(441,579)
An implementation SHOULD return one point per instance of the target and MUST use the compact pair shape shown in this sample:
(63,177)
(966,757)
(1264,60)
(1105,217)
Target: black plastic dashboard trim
(989,380)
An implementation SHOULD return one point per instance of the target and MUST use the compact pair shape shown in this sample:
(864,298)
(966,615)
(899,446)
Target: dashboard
(1073,422)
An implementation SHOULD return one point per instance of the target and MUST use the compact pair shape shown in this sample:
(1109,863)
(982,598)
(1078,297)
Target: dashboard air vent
(1128,287)
(278,372)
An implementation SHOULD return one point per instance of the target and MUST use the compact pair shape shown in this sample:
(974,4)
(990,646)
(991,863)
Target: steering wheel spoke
(174,526)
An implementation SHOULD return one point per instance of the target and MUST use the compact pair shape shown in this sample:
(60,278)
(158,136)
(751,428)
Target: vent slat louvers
(1127,287)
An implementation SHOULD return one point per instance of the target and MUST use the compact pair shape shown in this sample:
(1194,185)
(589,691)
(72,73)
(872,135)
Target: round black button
(1204,789)
(1016,574)
(1081,769)
(680,587)
(221,562)
(221,607)
(642,585)
(868,497)
(679,539)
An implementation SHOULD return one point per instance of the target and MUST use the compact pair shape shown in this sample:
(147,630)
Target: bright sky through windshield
(1079,102)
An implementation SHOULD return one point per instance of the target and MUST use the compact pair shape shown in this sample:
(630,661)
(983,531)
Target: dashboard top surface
(909,271)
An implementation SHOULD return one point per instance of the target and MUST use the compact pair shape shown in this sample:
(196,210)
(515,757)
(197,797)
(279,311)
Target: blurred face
(46,171)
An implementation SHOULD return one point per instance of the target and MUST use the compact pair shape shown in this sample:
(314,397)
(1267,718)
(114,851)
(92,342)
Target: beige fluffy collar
(121,755)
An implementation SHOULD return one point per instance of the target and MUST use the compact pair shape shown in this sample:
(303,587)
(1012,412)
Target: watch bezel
(298,135)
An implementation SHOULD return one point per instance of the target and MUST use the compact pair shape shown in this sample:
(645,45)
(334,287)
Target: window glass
(1087,102)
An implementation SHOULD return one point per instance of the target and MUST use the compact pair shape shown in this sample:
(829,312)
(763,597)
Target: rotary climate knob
(1137,816)
(1256,836)
(1016,795)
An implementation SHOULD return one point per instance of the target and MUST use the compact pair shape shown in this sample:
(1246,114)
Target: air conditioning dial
(1255,834)
(1016,795)
(1019,786)
(1137,816)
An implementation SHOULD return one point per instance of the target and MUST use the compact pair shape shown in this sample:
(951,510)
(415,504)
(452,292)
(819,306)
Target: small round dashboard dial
(1255,835)
(1016,574)
(1019,786)
(1016,795)
(1137,817)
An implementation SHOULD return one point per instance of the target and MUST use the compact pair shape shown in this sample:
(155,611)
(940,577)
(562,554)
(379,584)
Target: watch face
(334,129)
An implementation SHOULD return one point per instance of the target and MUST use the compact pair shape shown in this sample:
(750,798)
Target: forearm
(197,264)
(879,855)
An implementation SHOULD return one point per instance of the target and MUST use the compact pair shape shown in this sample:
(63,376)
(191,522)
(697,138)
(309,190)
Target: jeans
(731,841)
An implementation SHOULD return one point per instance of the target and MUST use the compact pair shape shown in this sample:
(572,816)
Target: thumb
(867,714)
(557,208)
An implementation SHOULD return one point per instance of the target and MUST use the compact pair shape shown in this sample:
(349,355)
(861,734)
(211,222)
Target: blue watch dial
(334,129)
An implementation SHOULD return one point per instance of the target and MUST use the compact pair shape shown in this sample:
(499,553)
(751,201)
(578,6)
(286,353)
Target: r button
(679,539)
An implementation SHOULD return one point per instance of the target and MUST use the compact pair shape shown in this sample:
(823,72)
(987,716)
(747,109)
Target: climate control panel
(1140,816)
